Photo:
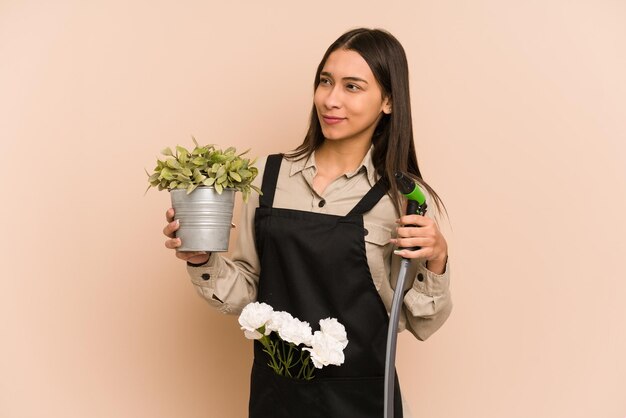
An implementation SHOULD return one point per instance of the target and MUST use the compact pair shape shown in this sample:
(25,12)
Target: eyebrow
(327,74)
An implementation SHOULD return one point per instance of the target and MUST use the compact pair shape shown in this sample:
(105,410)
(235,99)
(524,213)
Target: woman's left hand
(422,231)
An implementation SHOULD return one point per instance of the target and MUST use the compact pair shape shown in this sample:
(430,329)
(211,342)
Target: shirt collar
(367,164)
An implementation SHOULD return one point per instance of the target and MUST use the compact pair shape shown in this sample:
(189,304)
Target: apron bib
(314,266)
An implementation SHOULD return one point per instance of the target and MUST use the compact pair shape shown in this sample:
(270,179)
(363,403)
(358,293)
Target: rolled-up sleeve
(427,303)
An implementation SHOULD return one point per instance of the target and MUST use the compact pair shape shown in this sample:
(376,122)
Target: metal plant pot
(205,218)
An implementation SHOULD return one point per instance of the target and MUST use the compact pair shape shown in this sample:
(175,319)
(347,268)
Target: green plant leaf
(181,150)
(200,161)
(209,181)
(191,188)
(219,188)
(187,172)
(236,165)
(235,176)
(200,151)
(172,163)
(222,179)
(166,174)
(167,151)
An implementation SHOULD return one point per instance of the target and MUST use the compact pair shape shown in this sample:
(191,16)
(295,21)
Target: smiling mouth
(331,120)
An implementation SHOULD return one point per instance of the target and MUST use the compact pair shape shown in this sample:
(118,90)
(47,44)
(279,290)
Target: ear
(387,106)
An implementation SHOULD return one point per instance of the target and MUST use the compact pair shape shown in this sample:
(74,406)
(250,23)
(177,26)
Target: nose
(332,99)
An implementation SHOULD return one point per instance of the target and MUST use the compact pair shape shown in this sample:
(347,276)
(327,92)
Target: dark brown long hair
(394,149)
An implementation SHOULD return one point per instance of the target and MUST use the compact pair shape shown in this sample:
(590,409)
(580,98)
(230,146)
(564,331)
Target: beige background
(520,111)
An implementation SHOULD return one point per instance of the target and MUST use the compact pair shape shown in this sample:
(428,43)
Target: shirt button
(206,276)
(365,231)
(420,277)
(321,203)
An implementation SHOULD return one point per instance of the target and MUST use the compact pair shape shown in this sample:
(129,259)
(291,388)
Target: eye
(325,81)
(353,87)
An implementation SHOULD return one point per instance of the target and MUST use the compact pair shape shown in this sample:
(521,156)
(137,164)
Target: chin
(331,134)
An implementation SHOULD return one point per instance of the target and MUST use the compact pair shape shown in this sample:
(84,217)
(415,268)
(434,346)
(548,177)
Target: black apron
(314,266)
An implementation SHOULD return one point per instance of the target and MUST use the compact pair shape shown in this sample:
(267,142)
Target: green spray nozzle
(409,189)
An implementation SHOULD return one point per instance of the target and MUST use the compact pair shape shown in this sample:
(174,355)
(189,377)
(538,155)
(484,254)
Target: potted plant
(202,185)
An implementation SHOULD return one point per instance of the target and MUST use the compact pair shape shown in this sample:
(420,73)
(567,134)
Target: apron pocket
(273,396)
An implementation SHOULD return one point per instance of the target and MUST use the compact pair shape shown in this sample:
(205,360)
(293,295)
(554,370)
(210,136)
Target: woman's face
(348,99)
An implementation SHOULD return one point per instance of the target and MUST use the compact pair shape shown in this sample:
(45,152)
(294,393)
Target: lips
(332,120)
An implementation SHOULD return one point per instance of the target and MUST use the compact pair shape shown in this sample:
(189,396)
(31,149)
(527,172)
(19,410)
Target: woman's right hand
(194,257)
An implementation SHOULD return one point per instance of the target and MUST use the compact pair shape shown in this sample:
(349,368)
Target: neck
(339,157)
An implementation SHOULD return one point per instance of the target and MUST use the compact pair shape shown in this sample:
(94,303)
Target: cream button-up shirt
(230,284)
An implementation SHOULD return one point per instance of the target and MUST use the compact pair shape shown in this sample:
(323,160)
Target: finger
(412,242)
(171,228)
(187,255)
(418,220)
(172,243)
(421,253)
(169,214)
(411,231)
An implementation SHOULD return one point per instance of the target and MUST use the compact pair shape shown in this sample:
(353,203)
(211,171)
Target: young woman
(320,240)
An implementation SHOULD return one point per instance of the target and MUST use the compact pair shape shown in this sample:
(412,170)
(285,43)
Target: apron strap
(371,198)
(270,176)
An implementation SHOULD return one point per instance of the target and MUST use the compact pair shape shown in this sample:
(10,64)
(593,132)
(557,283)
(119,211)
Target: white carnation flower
(295,331)
(325,350)
(278,319)
(253,317)
(332,328)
